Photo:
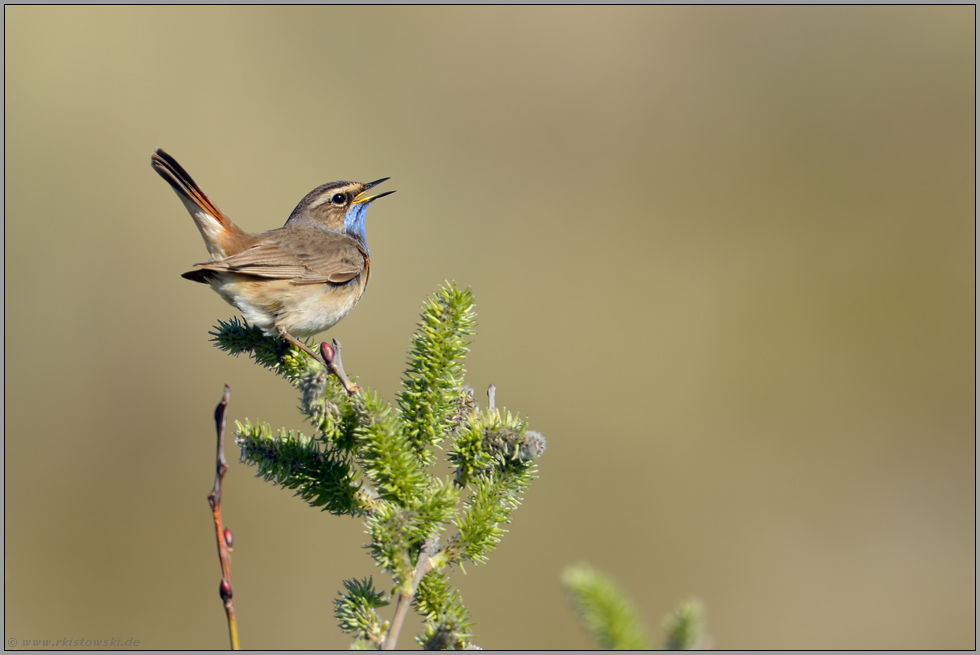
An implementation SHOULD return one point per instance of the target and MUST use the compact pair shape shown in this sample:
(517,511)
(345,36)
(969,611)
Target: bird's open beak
(359,200)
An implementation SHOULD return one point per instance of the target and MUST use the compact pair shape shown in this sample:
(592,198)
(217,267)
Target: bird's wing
(302,256)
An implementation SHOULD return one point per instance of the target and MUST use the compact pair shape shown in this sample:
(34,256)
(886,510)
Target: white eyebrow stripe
(349,190)
(320,201)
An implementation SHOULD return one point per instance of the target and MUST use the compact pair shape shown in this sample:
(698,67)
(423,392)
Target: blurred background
(723,260)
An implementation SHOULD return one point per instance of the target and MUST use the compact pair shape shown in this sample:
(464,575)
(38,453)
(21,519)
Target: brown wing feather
(305,256)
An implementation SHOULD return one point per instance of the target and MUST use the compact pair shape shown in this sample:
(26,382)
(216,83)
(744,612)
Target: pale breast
(301,309)
(313,308)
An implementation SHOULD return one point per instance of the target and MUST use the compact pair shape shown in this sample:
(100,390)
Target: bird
(294,281)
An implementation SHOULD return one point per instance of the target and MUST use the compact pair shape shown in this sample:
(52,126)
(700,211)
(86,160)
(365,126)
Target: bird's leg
(331,357)
(299,344)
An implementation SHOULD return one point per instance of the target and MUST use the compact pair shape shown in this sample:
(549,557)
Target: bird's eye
(339,199)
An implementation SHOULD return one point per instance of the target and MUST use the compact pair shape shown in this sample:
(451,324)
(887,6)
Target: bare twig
(331,357)
(224,536)
(423,566)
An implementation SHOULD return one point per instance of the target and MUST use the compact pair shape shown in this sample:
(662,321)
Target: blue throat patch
(354,222)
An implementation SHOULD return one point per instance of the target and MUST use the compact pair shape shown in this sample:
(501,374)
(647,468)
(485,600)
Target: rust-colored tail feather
(221,235)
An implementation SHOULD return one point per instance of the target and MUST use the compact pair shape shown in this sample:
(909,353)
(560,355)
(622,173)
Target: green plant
(610,618)
(370,459)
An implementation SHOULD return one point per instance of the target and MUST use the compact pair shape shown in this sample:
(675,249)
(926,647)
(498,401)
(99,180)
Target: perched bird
(294,281)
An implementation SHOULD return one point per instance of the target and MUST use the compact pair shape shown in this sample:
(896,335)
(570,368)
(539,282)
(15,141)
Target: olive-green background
(723,259)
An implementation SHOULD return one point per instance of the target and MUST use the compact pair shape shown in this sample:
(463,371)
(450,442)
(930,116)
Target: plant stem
(331,358)
(423,566)
(223,536)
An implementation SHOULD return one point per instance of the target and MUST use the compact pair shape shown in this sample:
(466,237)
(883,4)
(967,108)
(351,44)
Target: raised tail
(222,237)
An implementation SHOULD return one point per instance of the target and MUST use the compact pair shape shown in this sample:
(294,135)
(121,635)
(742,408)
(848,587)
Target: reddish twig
(331,357)
(224,536)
